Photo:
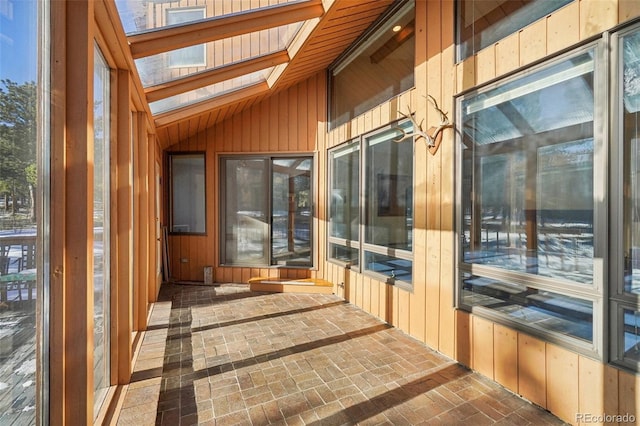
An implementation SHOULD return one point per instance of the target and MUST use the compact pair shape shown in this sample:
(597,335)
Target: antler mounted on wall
(433,136)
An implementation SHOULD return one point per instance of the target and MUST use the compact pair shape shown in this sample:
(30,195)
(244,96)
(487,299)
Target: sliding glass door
(267,205)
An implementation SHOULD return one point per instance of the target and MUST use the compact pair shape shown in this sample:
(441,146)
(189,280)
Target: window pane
(389,190)
(188,193)
(380,67)
(101,294)
(528,180)
(291,206)
(246,221)
(23,129)
(481,23)
(344,254)
(394,268)
(535,308)
(631,331)
(188,56)
(344,203)
(631,147)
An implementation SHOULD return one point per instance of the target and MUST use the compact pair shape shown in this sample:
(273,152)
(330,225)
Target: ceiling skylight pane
(209,92)
(145,15)
(171,65)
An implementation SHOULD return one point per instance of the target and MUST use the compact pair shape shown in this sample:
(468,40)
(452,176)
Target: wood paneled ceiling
(325,29)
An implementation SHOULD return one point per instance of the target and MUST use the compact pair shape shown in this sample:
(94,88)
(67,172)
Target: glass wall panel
(23,154)
(481,23)
(344,203)
(630,109)
(539,309)
(101,229)
(268,205)
(192,56)
(380,67)
(528,178)
(389,190)
(188,193)
(246,207)
(291,200)
(393,267)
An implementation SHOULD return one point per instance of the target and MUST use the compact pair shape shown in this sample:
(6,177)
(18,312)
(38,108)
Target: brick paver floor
(224,356)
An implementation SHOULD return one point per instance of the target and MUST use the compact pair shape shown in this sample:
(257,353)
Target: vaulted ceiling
(202,61)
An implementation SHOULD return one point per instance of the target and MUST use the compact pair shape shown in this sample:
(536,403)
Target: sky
(18,40)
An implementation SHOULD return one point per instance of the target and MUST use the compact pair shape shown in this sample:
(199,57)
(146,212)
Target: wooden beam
(205,78)
(176,37)
(171,117)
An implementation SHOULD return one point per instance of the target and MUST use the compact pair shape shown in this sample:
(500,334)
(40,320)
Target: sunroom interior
(290,145)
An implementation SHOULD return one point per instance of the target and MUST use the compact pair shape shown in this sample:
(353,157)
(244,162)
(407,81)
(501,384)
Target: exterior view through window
(268,210)
(528,199)
(22,137)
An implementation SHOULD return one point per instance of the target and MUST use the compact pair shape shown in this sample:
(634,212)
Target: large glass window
(344,204)
(371,194)
(192,56)
(480,23)
(101,229)
(24,142)
(378,67)
(626,297)
(268,214)
(188,212)
(529,199)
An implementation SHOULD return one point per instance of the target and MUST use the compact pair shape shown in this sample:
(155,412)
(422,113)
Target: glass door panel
(291,212)
(246,221)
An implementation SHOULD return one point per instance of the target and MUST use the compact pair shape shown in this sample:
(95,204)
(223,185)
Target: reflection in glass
(291,212)
(394,268)
(246,220)
(528,197)
(631,331)
(389,190)
(380,67)
(529,306)
(188,193)
(480,23)
(631,147)
(22,131)
(101,204)
(344,254)
(344,203)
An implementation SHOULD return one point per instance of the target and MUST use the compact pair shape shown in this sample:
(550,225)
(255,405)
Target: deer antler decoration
(433,136)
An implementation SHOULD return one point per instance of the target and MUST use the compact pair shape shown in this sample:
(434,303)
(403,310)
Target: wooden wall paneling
(482,357)
(227,144)
(404,310)
(597,16)
(507,54)
(447,151)
(292,122)
(417,323)
(563,28)
(562,382)
(486,64)
(367,290)
(628,394)
(356,285)
(152,285)
(273,128)
(123,225)
(77,234)
(433,178)
(236,275)
(301,108)
(141,239)
(505,357)
(283,123)
(394,305)
(532,379)
(465,74)
(628,9)
(58,295)
(312,104)
(533,42)
(463,338)
(374,290)
(597,387)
